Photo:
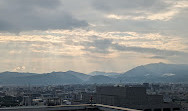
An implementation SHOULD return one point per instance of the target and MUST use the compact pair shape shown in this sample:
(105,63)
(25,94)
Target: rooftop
(81,107)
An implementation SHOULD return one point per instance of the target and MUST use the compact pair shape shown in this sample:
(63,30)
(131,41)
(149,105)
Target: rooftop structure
(82,107)
(130,97)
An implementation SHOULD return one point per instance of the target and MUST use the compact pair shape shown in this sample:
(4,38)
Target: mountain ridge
(156,72)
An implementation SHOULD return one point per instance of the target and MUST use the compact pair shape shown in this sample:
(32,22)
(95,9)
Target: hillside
(153,73)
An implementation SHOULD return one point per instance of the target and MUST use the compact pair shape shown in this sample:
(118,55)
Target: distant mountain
(104,73)
(54,78)
(153,73)
(157,72)
(81,76)
(100,79)
(8,74)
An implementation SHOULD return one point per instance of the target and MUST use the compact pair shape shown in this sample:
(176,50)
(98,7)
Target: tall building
(131,97)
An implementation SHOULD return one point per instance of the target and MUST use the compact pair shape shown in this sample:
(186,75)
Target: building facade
(131,97)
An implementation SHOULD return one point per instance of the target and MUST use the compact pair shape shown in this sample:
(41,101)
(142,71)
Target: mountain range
(152,73)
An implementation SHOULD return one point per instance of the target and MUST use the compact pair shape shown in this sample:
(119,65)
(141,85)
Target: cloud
(163,16)
(19,69)
(12,52)
(122,5)
(157,57)
(98,46)
(120,17)
(79,42)
(168,74)
(155,16)
(141,10)
(148,50)
(84,35)
(69,48)
(109,45)
(21,15)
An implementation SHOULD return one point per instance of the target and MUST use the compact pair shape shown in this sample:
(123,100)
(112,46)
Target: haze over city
(91,35)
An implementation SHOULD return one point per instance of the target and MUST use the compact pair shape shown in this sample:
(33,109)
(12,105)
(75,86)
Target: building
(27,101)
(129,96)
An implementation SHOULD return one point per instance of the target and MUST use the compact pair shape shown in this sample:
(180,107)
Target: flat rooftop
(81,107)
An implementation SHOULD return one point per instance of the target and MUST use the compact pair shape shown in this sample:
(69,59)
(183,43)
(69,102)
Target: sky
(91,35)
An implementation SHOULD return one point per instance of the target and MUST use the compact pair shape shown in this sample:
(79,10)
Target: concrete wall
(155,99)
(110,90)
(121,95)
(131,97)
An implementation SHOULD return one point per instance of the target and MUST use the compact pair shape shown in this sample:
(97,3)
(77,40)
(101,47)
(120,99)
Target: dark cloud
(24,15)
(98,46)
(30,4)
(157,57)
(174,26)
(178,24)
(104,46)
(148,50)
(127,5)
